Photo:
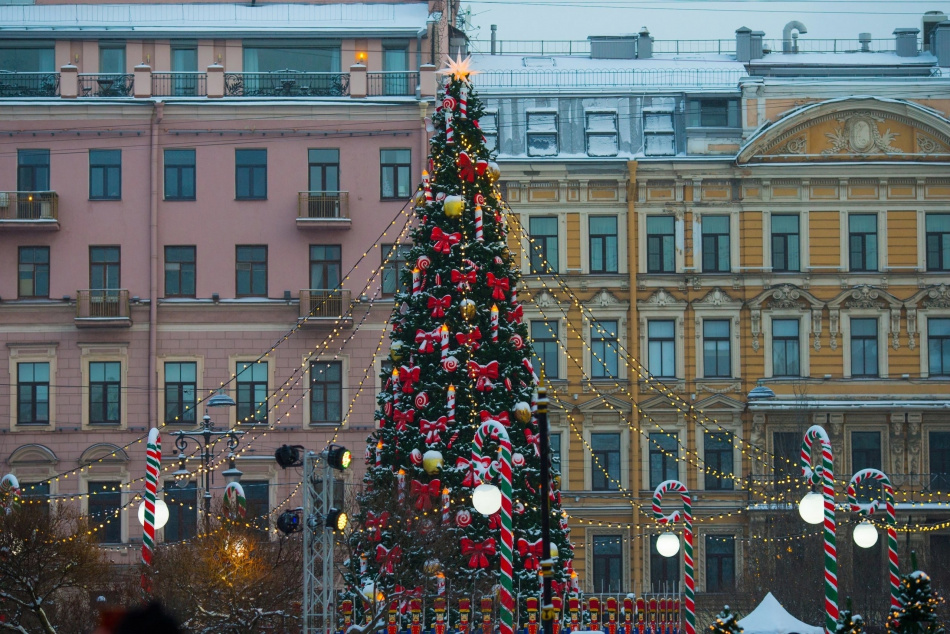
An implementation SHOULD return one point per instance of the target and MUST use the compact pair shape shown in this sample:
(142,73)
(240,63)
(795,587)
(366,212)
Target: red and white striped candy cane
(824,473)
(491,429)
(449,130)
(463,102)
(479,234)
(687,516)
(153,464)
(867,509)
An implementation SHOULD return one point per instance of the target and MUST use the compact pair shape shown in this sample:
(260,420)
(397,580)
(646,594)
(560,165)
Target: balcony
(323,210)
(103,308)
(286,83)
(179,84)
(29,84)
(324,306)
(105,85)
(392,84)
(29,210)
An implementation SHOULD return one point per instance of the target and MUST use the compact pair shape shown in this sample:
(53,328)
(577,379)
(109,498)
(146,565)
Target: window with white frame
(715,244)
(939,442)
(938,346)
(326,392)
(658,132)
(605,349)
(661,346)
(938,242)
(864,348)
(712,113)
(661,244)
(251,380)
(601,131)
(488,124)
(543,232)
(720,563)
(786,348)
(786,241)
(718,461)
(717,354)
(544,339)
(605,462)
(862,242)
(603,244)
(607,563)
(664,457)
(542,133)
(33,393)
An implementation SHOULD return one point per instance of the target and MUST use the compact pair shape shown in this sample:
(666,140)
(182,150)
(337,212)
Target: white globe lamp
(161,514)
(486,498)
(865,535)
(668,544)
(812,508)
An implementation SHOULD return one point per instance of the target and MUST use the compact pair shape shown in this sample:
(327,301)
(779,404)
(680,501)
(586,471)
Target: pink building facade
(166,232)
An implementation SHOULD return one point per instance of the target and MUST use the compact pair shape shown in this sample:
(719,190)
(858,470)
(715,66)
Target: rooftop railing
(179,84)
(105,85)
(286,83)
(541,78)
(392,84)
(14,84)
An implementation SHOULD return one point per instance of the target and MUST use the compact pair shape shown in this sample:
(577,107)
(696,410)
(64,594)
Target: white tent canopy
(771,618)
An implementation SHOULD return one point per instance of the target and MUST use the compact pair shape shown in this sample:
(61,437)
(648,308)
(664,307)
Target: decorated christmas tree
(849,623)
(460,357)
(725,623)
(917,614)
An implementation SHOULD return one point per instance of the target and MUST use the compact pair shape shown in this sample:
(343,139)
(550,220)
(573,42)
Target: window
(32,389)
(555,441)
(864,348)
(105,385)
(602,139)
(324,170)
(940,460)
(33,272)
(252,393)
(543,244)
(607,558)
(36,493)
(184,66)
(786,253)
(658,132)
(664,571)
(938,346)
(326,392)
(786,453)
(661,351)
(104,268)
(544,339)
(786,357)
(105,174)
(395,64)
(542,133)
(603,244)
(717,448)
(862,242)
(664,452)
(661,244)
(717,358)
(104,507)
(256,492)
(605,462)
(938,242)
(716,256)
(604,349)
(250,174)
(394,264)
(179,175)
(311,59)
(712,113)
(720,563)
(325,266)
(488,124)
(251,271)
(112,58)
(395,166)
(24,56)
(182,512)
(181,388)
(32,170)
(179,271)
(865,450)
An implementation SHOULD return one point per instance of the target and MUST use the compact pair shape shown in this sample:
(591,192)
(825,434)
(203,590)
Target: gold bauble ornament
(420,199)
(432,566)
(506,254)
(494,172)
(432,462)
(522,412)
(395,351)
(468,309)
(453,206)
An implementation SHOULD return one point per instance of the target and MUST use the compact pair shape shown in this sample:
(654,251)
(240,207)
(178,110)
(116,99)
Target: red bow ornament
(444,241)
(530,552)
(427,340)
(479,552)
(386,557)
(438,306)
(408,377)
(469,339)
(466,168)
(425,493)
(475,471)
(483,375)
(501,418)
(464,281)
(516,314)
(499,286)
(533,439)
(376,524)
(403,418)
(494,521)
(432,429)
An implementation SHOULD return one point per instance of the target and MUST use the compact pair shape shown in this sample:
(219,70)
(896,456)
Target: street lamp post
(868,509)
(823,473)
(668,550)
(206,437)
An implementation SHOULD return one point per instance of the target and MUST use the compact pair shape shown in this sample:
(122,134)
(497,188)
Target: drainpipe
(494,35)
(157,114)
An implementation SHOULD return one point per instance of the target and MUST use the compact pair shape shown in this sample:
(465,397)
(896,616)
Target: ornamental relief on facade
(859,133)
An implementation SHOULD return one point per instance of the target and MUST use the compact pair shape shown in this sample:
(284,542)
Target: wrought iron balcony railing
(103,304)
(323,303)
(29,206)
(323,205)
(105,85)
(392,84)
(13,84)
(286,83)
(179,84)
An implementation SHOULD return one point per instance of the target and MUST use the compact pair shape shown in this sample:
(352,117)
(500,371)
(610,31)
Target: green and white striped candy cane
(824,474)
(867,509)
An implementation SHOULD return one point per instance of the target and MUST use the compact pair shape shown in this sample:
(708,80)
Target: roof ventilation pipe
(758,52)
(942,44)
(906,42)
(865,40)
(644,44)
(929,24)
(743,44)
(494,38)
(789,39)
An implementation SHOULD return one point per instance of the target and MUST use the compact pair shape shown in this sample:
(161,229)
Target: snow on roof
(885,58)
(769,617)
(177,19)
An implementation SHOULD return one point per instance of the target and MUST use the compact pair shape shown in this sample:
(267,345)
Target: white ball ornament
(432,462)
(668,544)
(517,459)
(812,508)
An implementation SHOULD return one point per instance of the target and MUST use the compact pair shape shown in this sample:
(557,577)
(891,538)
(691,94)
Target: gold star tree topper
(459,68)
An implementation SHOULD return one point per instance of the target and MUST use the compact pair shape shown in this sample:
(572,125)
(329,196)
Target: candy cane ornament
(479,233)
(676,486)
(153,465)
(487,430)
(824,473)
(867,509)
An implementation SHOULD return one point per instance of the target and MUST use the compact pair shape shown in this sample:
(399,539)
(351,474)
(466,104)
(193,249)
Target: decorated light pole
(491,430)
(868,509)
(153,465)
(686,515)
(823,473)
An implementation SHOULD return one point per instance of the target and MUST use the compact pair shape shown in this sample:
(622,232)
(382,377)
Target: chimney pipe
(644,44)
(743,44)
(941,45)
(494,34)
(757,50)
(787,44)
(906,42)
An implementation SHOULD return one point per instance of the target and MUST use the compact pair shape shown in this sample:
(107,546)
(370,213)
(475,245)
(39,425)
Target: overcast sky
(692,19)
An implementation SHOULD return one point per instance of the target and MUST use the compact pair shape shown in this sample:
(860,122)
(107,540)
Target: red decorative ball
(422,399)
(416,457)
(517,459)
(463,519)
(517,341)
(388,409)
(449,103)
(450,364)
(479,199)
(423,262)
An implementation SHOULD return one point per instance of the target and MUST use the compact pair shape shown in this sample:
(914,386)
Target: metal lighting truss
(318,592)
